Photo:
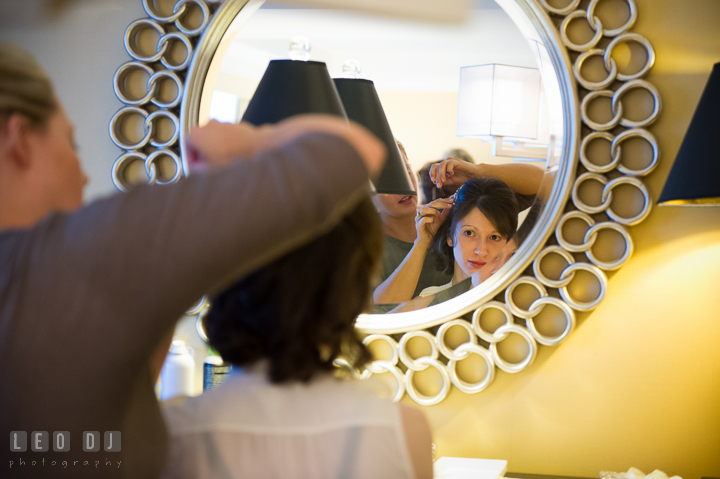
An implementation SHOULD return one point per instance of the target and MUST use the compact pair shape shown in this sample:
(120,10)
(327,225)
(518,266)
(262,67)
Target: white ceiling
(397,54)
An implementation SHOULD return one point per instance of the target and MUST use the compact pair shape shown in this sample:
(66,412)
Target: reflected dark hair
(429,190)
(290,310)
(493,198)
(528,223)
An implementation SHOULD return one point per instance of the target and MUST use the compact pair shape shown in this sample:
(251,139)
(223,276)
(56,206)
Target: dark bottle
(215,370)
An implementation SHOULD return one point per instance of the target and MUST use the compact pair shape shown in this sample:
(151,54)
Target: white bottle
(177,377)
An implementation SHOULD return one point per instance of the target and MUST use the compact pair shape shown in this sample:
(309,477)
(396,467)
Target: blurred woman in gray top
(86,293)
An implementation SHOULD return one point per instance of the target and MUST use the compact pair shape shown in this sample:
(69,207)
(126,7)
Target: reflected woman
(471,241)
(400,286)
(407,266)
(521,234)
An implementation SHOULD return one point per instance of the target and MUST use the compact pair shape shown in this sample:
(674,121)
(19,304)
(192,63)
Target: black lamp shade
(695,176)
(291,87)
(362,106)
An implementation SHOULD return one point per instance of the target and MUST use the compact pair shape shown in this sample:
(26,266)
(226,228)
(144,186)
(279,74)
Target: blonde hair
(460,154)
(25,88)
(402,150)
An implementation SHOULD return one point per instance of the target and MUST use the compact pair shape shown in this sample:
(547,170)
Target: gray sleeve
(146,256)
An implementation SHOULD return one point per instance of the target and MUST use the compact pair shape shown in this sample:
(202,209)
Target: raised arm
(218,144)
(400,285)
(521,177)
(147,255)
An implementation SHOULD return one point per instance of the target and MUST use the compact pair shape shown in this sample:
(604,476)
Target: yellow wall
(638,383)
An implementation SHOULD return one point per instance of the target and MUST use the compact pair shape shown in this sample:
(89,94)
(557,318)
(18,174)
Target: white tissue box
(468,468)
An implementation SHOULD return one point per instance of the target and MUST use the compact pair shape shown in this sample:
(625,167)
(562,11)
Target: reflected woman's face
(476,245)
(397,206)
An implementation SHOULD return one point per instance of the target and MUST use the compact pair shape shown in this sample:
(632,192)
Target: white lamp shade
(498,100)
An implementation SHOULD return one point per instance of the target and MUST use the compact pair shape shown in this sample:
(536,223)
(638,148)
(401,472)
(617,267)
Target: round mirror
(431,79)
(202,59)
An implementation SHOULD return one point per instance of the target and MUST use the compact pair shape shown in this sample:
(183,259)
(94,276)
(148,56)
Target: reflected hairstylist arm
(401,284)
(521,177)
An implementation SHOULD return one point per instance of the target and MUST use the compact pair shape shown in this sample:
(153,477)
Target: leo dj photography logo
(40,441)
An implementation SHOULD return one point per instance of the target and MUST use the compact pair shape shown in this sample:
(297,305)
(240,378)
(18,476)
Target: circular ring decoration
(617,118)
(422,400)
(176,132)
(117,122)
(119,82)
(343,364)
(611,68)
(159,76)
(383,366)
(131,34)
(121,164)
(570,247)
(560,11)
(552,283)
(466,350)
(510,302)
(585,208)
(569,321)
(595,24)
(201,44)
(508,367)
(636,133)
(179,10)
(486,335)
(456,354)
(150,10)
(197,308)
(570,273)
(591,236)
(617,106)
(615,31)
(628,37)
(393,346)
(166,40)
(615,152)
(408,361)
(151,168)
(627,180)
(200,327)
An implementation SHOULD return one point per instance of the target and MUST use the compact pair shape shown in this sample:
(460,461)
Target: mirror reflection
(476,114)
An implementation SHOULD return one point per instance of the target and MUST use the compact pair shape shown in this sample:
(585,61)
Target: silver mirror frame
(563,205)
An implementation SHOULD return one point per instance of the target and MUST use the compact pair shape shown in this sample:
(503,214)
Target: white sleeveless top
(250,428)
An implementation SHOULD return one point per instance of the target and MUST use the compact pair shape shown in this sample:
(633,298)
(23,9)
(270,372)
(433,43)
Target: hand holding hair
(521,177)
(452,171)
(430,217)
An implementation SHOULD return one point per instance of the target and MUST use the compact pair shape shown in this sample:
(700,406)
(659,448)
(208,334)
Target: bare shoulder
(419,440)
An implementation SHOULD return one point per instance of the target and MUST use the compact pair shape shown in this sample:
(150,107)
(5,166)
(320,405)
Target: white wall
(81,49)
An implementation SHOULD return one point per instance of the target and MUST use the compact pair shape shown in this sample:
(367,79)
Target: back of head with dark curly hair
(299,311)
(493,198)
